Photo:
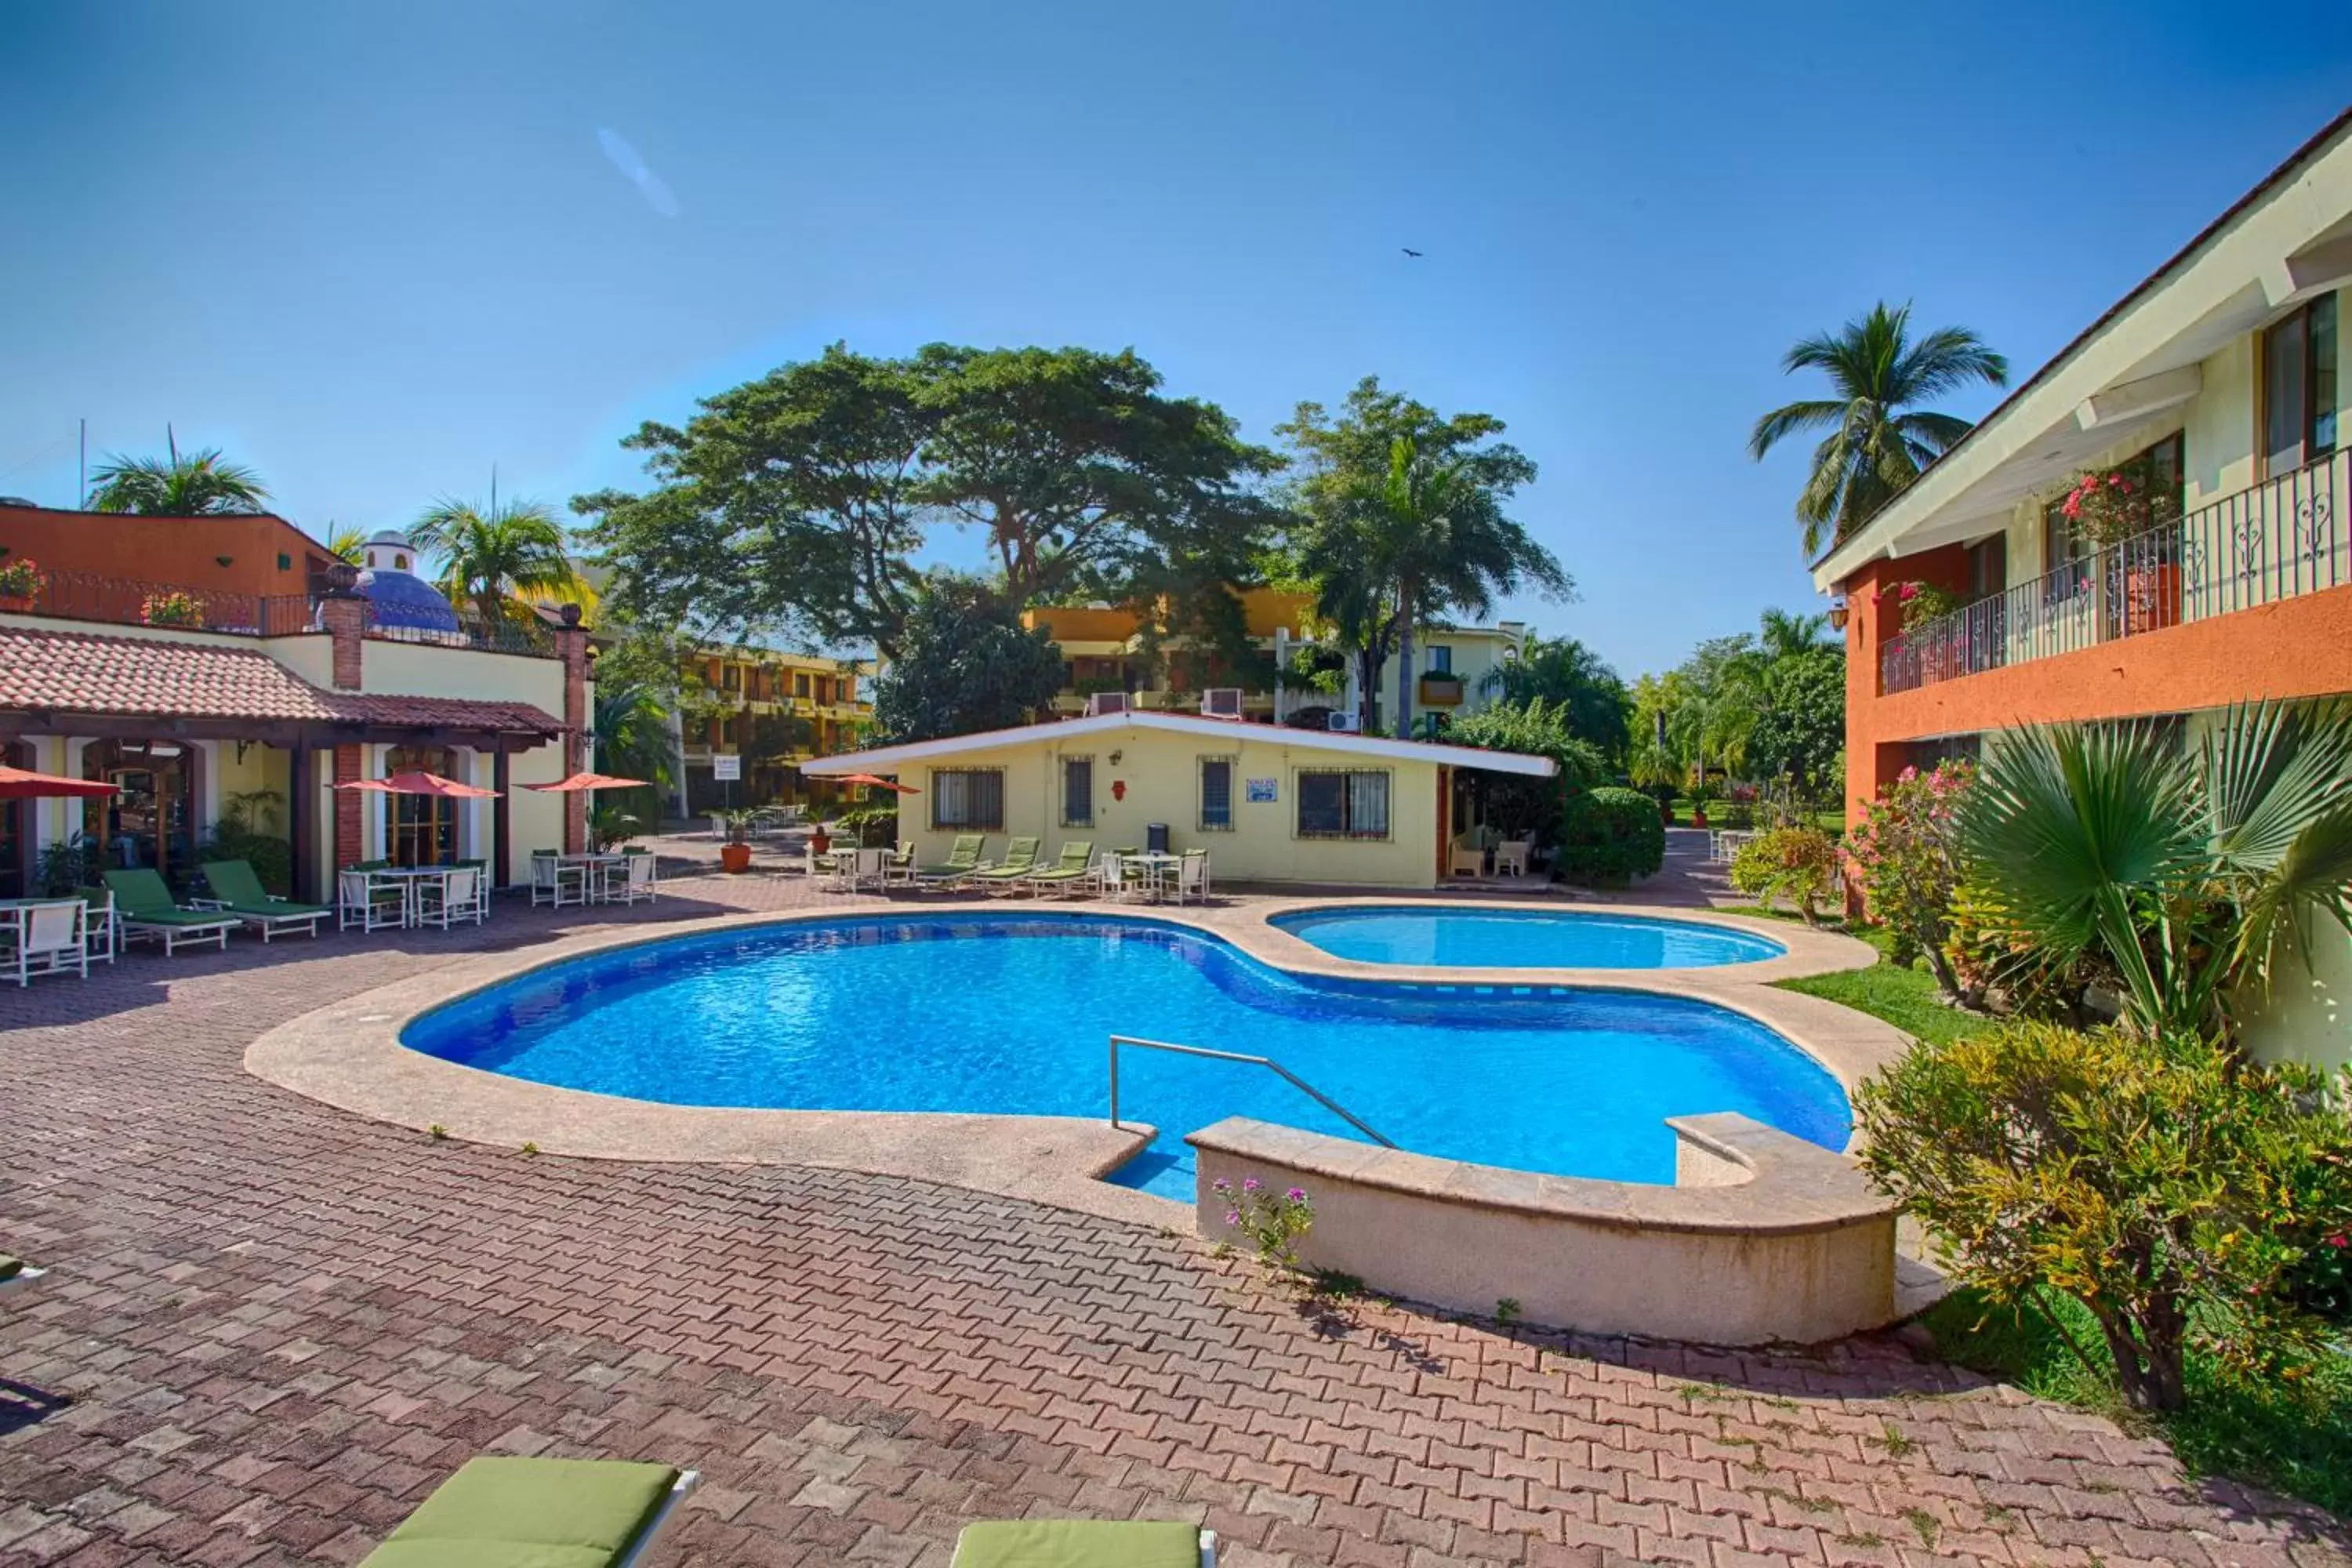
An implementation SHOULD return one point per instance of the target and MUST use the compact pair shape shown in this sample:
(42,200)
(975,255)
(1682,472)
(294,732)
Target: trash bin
(1155,838)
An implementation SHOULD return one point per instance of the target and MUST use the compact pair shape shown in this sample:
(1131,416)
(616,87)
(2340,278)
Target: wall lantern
(1114,758)
(1837,615)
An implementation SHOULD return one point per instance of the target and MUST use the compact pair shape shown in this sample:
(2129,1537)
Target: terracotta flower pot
(1698,816)
(821,841)
(735,859)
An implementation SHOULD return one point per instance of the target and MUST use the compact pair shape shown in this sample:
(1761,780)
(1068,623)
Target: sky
(374,252)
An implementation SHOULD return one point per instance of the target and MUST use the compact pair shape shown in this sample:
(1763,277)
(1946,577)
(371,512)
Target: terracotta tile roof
(76,673)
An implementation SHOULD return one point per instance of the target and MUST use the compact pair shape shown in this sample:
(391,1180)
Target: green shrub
(271,857)
(1610,837)
(874,826)
(1800,862)
(2170,1188)
(1906,853)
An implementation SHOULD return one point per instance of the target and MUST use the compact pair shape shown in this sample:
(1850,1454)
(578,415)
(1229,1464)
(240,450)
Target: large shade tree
(1879,436)
(793,505)
(181,484)
(1403,520)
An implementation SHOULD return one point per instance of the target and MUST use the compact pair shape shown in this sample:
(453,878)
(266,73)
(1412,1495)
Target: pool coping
(348,1053)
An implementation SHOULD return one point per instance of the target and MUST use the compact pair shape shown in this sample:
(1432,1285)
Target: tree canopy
(794,504)
(1768,705)
(1590,698)
(964,663)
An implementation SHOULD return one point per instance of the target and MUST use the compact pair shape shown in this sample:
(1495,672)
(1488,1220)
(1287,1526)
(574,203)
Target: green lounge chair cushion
(139,892)
(233,884)
(499,1512)
(178,918)
(1078,1543)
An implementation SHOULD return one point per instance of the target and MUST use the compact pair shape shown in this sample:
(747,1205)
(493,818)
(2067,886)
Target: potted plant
(173,608)
(1701,793)
(19,580)
(820,840)
(735,855)
(2117,511)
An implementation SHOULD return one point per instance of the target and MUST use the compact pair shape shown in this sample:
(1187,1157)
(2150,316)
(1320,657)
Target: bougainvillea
(1907,855)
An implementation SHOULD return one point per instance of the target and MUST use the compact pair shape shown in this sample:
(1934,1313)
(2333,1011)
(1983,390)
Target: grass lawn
(2291,1440)
(1831,822)
(1907,998)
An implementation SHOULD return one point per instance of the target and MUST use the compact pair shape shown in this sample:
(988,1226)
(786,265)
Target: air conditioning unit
(1100,702)
(1222,702)
(1341,723)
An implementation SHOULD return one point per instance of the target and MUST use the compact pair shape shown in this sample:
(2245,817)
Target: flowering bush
(2109,508)
(1799,861)
(1274,1224)
(19,578)
(172,608)
(1907,856)
(1924,601)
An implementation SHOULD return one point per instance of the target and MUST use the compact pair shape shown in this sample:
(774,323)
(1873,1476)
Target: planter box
(1441,690)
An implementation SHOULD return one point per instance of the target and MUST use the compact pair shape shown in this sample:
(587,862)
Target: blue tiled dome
(400,597)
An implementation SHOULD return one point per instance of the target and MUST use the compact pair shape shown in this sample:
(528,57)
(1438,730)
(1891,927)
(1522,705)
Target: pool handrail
(1325,1101)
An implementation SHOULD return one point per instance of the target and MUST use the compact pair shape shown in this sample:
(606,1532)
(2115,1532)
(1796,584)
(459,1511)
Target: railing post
(1114,1082)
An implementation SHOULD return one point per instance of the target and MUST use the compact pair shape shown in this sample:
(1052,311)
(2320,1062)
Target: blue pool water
(997,1014)
(1523,939)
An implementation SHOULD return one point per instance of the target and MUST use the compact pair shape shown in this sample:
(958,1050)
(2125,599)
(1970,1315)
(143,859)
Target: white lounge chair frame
(641,1549)
(1208,1551)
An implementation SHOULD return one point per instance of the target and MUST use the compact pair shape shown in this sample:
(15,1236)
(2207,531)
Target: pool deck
(269,1328)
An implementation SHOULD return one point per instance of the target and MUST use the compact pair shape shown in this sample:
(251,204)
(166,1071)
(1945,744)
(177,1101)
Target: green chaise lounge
(145,907)
(1084,1543)
(961,861)
(502,1512)
(1069,871)
(1020,860)
(236,891)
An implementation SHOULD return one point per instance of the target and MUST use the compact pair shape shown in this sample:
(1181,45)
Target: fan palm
(2190,872)
(1879,440)
(197,484)
(492,556)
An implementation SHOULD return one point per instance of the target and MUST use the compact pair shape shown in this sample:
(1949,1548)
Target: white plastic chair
(1110,879)
(1511,856)
(637,879)
(47,938)
(448,897)
(364,900)
(101,935)
(553,882)
(1191,880)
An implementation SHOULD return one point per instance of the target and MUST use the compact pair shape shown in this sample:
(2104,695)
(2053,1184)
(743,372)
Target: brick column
(572,645)
(349,768)
(345,615)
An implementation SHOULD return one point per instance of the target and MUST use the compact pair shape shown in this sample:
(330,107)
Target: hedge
(1611,837)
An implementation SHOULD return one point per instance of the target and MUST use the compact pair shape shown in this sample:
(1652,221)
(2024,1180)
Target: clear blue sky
(371,251)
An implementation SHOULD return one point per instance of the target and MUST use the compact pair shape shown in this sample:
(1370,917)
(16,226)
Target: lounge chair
(961,861)
(1084,1543)
(550,1513)
(149,914)
(1020,860)
(44,938)
(238,891)
(1070,872)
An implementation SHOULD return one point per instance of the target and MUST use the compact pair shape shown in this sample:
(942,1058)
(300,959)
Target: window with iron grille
(1343,803)
(968,799)
(1216,795)
(1077,792)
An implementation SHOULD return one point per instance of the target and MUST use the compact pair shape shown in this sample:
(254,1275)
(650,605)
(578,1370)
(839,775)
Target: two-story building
(1107,648)
(2214,390)
(228,667)
(773,710)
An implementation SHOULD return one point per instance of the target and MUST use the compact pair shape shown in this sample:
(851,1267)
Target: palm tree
(1781,635)
(1879,440)
(348,544)
(197,484)
(1576,680)
(2190,873)
(497,554)
(1421,539)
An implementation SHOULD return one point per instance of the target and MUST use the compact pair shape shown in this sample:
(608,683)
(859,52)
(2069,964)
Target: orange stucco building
(2212,397)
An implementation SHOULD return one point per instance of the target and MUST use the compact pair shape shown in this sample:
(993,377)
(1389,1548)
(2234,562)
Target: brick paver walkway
(272,1327)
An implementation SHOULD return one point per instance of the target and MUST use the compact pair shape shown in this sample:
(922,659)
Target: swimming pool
(1452,938)
(1012,1016)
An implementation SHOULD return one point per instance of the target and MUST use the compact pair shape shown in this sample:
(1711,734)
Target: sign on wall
(726,767)
(1259,791)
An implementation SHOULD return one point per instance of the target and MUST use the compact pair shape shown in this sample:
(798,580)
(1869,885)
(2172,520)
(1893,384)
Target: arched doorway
(423,828)
(150,820)
(15,829)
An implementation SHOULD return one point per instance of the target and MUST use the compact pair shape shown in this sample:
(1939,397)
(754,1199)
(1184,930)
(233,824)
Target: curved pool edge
(350,1054)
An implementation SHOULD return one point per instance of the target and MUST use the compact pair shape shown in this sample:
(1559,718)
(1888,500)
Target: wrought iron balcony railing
(2277,541)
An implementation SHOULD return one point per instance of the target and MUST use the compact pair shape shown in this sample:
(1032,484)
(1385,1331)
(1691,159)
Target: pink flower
(1233,1217)
(1296,1195)
(1910,591)
(1251,1185)
(1223,1185)
(2344,1240)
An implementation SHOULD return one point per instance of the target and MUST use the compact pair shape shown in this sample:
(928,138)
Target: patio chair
(368,901)
(562,1513)
(236,891)
(1108,878)
(44,938)
(961,861)
(553,882)
(1069,874)
(1467,860)
(148,913)
(1192,879)
(1020,860)
(446,899)
(637,876)
(1084,1543)
(98,924)
(1511,856)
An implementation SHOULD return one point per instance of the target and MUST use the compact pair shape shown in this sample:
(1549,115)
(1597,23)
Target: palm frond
(1790,418)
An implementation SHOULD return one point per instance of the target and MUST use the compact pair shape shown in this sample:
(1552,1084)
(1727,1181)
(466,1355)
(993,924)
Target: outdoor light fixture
(1837,615)
(1114,758)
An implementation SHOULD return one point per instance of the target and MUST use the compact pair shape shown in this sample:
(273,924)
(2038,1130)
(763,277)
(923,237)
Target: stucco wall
(1160,772)
(2308,1016)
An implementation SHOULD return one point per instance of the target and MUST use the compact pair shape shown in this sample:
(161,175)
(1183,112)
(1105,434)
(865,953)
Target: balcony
(1441,691)
(2278,541)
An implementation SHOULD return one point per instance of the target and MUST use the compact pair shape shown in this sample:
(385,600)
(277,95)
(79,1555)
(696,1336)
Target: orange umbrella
(581,782)
(870,782)
(419,783)
(19,783)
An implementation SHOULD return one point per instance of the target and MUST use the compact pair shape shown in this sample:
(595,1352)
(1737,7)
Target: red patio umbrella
(20,784)
(870,782)
(580,784)
(419,783)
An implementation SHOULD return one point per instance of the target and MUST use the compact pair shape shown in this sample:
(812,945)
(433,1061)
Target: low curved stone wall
(1763,1237)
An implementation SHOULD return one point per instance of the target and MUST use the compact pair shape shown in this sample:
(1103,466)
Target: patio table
(1155,866)
(412,880)
(594,870)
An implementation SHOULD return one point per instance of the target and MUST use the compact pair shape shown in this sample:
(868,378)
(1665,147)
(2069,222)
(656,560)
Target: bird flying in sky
(1409,250)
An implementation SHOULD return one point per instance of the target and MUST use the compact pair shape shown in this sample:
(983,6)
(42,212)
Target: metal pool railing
(1321,1098)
